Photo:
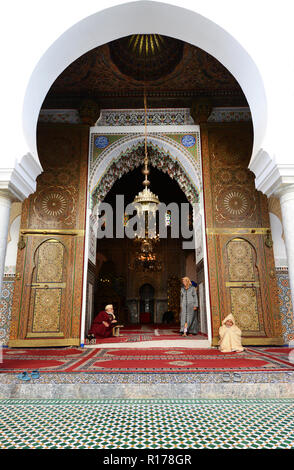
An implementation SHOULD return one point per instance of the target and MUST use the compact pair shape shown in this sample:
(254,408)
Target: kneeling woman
(103,323)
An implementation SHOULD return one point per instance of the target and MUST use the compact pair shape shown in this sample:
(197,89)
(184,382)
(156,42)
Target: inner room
(146,293)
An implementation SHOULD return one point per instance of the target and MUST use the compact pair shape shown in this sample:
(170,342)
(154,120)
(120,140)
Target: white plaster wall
(11,251)
(279,244)
(250,38)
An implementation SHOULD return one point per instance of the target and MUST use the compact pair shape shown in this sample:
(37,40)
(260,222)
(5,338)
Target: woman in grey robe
(189,305)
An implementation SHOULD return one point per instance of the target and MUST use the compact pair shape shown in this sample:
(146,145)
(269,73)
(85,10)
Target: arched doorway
(146,293)
(188,164)
(135,18)
(170,186)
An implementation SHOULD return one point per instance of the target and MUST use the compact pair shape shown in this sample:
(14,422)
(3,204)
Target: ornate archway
(128,153)
(135,18)
(166,154)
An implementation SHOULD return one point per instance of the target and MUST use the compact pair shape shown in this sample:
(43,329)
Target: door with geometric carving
(241,264)
(44,306)
(244,287)
(48,289)
(47,300)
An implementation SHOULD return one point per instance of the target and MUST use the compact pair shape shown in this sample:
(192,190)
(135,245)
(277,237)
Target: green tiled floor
(147,424)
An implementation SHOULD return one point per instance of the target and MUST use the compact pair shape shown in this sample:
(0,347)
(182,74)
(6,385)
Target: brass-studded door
(47,298)
(239,248)
(44,301)
(243,287)
(48,287)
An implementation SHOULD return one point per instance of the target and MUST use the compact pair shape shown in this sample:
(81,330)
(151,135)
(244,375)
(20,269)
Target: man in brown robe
(103,323)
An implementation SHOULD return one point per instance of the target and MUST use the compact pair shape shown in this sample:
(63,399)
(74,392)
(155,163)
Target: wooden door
(47,297)
(240,255)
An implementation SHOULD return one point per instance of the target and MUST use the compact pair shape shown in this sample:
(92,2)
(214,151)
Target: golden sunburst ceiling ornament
(146,43)
(146,57)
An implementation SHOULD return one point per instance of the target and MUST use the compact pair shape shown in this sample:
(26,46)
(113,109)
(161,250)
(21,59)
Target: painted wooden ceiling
(116,74)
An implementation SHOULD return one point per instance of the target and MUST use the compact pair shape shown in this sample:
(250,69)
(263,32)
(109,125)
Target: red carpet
(137,333)
(156,360)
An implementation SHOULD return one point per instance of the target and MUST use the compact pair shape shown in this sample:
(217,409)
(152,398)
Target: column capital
(6,195)
(19,182)
(271,178)
(286,193)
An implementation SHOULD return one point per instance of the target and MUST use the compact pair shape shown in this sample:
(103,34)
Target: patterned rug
(147,424)
(138,333)
(152,360)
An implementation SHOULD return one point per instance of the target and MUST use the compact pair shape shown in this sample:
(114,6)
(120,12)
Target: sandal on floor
(35,374)
(24,376)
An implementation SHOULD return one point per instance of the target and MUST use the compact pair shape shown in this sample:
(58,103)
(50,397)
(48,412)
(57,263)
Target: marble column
(5,205)
(287,207)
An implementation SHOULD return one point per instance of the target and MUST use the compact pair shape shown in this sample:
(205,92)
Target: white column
(287,207)
(5,205)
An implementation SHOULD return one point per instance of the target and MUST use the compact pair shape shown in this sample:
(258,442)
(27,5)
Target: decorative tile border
(285,303)
(5,309)
(136,117)
(145,401)
(9,271)
(220,378)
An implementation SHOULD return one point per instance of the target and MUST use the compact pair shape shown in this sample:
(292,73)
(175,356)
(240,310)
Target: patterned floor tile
(143,424)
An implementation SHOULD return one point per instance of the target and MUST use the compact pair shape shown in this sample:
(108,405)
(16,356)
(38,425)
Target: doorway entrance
(146,293)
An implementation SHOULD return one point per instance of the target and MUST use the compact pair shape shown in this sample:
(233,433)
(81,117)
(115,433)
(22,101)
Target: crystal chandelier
(146,203)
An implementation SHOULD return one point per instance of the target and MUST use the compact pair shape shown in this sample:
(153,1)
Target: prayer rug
(152,360)
(139,333)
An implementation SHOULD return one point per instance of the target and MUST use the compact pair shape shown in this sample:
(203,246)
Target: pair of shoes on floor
(25,376)
(90,339)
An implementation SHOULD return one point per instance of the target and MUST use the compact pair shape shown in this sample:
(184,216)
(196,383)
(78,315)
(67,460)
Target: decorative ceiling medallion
(188,140)
(146,43)
(146,57)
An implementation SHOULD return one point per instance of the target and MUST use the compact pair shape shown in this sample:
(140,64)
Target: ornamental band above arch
(133,157)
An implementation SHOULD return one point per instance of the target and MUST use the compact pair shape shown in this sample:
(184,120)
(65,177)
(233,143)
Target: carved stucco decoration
(126,160)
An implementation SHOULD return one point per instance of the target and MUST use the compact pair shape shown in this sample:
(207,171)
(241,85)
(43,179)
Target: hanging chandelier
(146,203)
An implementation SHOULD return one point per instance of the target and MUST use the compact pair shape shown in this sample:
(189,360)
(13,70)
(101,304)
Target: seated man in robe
(230,335)
(103,323)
